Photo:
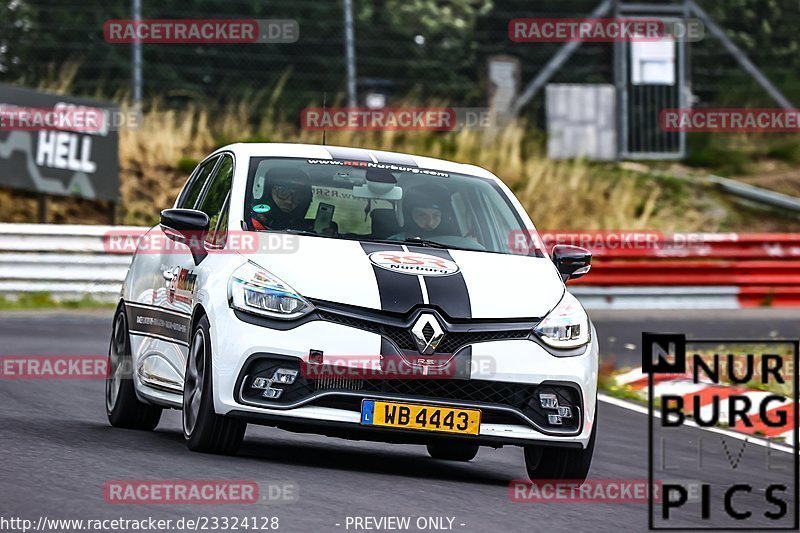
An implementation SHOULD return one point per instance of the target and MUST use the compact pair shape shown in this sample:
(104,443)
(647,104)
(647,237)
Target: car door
(215,202)
(181,267)
(159,320)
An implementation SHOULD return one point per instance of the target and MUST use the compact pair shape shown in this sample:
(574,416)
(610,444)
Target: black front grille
(522,397)
(512,394)
(455,340)
(402,338)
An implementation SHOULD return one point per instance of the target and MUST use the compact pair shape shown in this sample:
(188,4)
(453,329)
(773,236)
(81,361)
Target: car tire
(123,408)
(453,451)
(552,463)
(203,429)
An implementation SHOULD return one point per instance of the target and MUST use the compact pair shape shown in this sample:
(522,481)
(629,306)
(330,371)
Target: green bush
(787,151)
(705,152)
(187,164)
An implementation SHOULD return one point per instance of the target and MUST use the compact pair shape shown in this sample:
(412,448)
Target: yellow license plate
(420,417)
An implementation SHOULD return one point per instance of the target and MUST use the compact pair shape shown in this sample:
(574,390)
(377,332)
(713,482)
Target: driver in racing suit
(288,195)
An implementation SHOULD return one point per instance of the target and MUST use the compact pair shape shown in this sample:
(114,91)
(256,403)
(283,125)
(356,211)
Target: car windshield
(383,202)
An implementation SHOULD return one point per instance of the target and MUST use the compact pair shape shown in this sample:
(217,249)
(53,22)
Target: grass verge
(45,300)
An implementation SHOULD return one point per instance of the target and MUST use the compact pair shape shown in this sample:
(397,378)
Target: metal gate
(650,77)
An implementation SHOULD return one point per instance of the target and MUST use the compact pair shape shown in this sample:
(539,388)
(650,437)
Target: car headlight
(254,290)
(566,326)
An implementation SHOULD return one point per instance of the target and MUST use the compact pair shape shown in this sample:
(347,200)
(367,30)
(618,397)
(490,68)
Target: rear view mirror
(572,262)
(380,191)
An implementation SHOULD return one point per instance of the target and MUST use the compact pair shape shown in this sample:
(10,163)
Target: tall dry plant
(156,157)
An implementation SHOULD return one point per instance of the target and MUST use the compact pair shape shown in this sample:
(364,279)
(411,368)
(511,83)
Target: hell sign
(58,145)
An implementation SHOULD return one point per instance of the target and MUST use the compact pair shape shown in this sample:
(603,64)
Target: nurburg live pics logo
(712,479)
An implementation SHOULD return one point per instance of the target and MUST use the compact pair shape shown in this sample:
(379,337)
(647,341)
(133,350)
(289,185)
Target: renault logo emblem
(427,333)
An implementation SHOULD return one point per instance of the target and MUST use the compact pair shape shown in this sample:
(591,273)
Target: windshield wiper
(427,242)
(436,244)
(410,240)
(291,231)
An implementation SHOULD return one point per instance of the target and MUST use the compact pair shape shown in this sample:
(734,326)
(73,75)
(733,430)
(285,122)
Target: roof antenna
(324,113)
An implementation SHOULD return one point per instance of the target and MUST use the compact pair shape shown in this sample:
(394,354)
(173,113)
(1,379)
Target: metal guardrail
(67,261)
(756,194)
(715,270)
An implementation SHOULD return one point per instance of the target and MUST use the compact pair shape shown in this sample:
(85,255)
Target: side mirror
(571,261)
(189,227)
(184,221)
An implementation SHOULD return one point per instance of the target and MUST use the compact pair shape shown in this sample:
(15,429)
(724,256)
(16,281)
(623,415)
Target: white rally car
(359,294)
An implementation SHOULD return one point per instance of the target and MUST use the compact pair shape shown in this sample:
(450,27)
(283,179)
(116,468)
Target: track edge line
(740,436)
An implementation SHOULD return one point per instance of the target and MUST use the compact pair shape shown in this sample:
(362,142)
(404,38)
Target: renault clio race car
(357,294)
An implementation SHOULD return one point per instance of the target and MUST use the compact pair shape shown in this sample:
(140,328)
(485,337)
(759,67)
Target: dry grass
(149,156)
(557,194)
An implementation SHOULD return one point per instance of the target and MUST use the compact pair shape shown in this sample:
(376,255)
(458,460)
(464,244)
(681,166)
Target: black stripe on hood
(398,292)
(448,293)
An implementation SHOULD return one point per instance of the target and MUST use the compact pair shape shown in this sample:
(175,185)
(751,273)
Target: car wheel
(546,462)
(123,408)
(453,451)
(204,430)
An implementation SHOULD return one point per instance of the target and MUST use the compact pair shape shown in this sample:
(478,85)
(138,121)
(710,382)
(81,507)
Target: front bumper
(519,370)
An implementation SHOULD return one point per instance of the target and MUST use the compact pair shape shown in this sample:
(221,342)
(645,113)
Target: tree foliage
(428,48)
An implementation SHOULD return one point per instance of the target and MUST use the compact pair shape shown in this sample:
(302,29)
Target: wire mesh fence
(423,50)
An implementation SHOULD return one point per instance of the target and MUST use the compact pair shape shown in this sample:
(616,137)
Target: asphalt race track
(620,332)
(58,450)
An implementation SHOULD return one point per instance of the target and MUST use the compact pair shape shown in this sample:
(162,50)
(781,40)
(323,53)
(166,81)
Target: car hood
(397,278)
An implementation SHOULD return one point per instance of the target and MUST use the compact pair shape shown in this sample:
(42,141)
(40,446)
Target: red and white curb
(704,392)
